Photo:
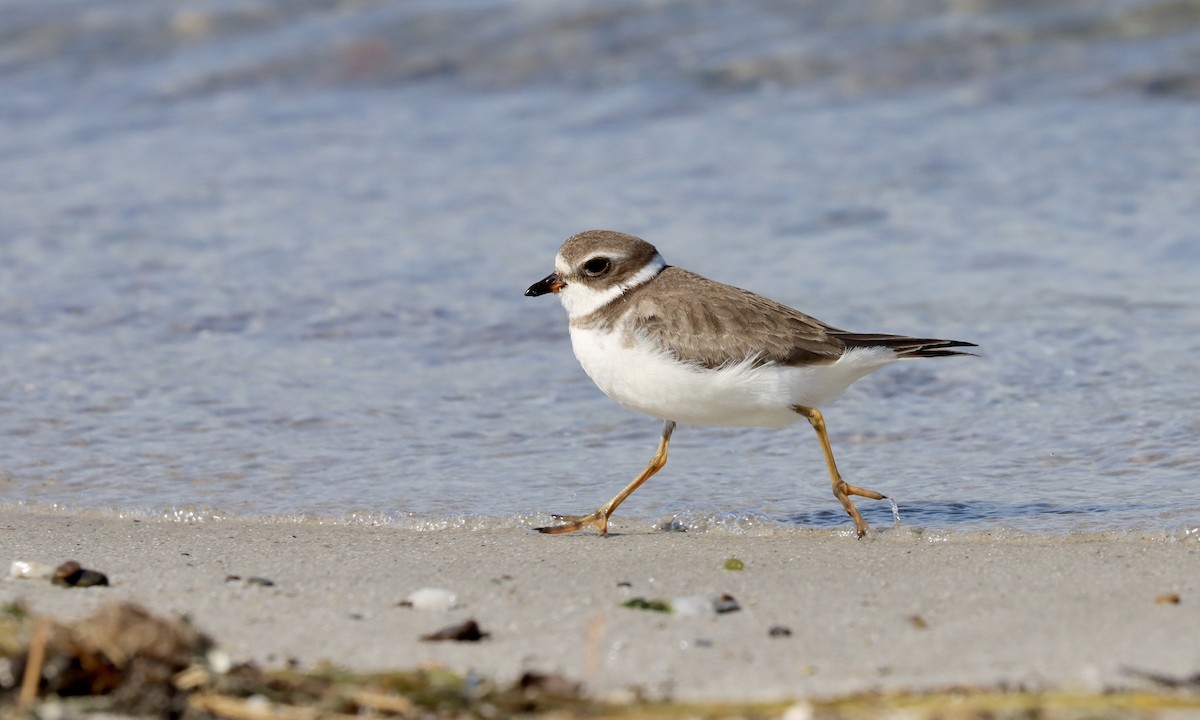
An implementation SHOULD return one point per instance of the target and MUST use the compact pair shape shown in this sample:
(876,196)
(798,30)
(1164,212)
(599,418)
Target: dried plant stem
(33,665)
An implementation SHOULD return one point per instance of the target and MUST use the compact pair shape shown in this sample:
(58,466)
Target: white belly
(656,384)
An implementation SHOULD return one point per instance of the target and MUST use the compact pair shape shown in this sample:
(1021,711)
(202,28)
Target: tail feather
(904,346)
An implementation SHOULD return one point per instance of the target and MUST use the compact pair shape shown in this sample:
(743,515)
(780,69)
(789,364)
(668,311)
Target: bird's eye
(596,266)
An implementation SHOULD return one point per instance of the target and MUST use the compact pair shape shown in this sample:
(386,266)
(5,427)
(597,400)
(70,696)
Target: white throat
(581,300)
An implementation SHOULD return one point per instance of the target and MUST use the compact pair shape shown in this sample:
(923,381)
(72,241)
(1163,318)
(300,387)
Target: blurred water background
(267,257)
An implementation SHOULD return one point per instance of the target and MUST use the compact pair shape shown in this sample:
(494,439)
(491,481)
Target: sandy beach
(895,611)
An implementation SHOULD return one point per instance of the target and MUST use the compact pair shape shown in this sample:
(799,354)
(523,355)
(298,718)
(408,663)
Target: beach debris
(26,570)
(255,580)
(381,702)
(466,631)
(779,631)
(431,598)
(1168,599)
(694,605)
(551,684)
(126,662)
(641,603)
(799,711)
(121,652)
(72,574)
(917,622)
(734,564)
(1173,682)
(727,604)
(35,661)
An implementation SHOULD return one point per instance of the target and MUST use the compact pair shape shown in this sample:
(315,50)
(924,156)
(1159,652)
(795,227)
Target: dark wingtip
(942,349)
(907,347)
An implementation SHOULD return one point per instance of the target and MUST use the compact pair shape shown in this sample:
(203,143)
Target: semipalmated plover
(682,348)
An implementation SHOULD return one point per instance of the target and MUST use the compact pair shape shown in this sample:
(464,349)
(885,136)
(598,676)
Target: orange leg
(599,519)
(841,489)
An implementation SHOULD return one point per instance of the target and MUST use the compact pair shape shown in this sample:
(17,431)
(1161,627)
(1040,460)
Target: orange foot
(571,523)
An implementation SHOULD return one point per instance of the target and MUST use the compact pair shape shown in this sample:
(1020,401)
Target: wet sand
(896,611)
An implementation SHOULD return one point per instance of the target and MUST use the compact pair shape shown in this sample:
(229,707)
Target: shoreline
(1177,527)
(895,612)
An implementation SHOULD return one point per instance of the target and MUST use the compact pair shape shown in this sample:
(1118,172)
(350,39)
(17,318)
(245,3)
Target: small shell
(24,570)
(219,661)
(438,599)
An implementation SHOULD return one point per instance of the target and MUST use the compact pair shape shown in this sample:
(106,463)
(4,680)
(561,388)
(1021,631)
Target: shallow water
(269,259)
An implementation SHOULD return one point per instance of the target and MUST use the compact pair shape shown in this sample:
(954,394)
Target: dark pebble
(72,574)
(467,631)
(91,578)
